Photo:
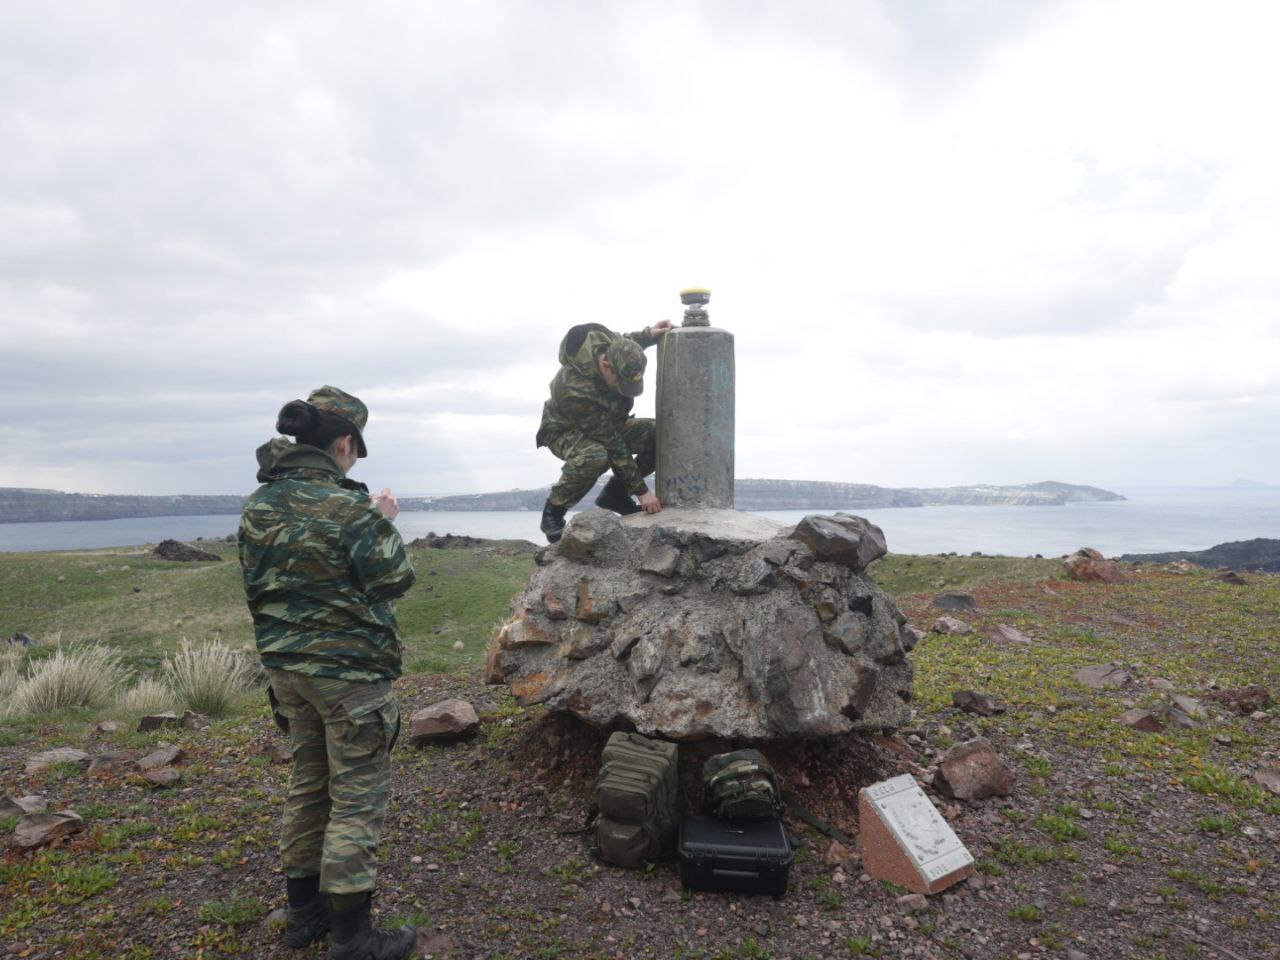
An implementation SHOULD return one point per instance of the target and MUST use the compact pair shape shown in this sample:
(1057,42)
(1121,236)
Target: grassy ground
(1116,843)
(144,606)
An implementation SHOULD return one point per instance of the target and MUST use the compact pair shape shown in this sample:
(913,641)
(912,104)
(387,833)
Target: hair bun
(296,417)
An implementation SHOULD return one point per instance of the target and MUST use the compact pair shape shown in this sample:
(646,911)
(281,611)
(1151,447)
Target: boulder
(843,538)
(1089,565)
(1231,577)
(1191,707)
(974,771)
(22,639)
(37,829)
(698,626)
(182,552)
(443,722)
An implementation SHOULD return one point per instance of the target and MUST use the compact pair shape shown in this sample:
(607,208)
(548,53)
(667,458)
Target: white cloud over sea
(956,242)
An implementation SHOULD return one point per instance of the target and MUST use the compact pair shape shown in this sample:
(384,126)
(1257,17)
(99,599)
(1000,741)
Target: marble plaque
(906,839)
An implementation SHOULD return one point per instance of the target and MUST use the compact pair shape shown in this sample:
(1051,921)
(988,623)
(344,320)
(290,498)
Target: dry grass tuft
(209,677)
(80,676)
(148,696)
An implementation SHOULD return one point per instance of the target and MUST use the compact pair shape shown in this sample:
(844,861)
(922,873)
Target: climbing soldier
(587,423)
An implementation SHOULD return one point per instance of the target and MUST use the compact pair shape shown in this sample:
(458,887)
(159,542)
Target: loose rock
(443,722)
(163,777)
(42,761)
(176,550)
(1104,676)
(1089,565)
(155,721)
(974,771)
(162,756)
(950,625)
(1148,721)
(21,806)
(979,703)
(37,829)
(954,600)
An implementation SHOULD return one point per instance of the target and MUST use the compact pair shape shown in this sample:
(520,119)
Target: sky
(963,242)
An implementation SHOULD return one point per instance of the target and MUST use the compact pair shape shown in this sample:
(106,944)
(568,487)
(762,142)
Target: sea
(1151,520)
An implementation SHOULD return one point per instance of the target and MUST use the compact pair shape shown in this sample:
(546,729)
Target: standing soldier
(322,563)
(587,422)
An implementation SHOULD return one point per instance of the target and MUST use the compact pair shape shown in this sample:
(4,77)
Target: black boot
(614,497)
(307,919)
(553,521)
(355,938)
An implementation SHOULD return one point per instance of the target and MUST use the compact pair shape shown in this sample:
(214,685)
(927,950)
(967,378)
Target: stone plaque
(906,841)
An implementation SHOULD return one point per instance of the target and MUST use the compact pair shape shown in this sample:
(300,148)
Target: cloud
(955,242)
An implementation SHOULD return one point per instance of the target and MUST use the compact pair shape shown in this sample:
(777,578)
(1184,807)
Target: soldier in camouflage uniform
(587,422)
(322,563)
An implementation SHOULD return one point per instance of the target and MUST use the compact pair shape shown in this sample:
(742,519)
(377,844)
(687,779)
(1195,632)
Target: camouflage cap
(628,361)
(344,405)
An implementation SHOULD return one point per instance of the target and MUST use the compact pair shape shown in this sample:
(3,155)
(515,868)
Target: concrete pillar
(695,409)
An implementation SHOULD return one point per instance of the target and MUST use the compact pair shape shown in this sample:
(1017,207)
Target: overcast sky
(956,242)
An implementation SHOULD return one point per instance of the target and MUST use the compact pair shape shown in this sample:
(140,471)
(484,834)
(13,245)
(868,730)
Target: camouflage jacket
(321,566)
(582,402)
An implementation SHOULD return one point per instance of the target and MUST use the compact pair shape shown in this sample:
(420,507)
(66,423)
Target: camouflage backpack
(740,786)
(634,800)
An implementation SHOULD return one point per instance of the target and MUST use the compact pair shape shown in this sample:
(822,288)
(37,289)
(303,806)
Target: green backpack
(634,800)
(740,786)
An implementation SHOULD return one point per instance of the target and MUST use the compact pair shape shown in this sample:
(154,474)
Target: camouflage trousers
(341,732)
(585,459)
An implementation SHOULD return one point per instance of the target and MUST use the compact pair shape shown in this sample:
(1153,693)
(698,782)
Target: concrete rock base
(696,624)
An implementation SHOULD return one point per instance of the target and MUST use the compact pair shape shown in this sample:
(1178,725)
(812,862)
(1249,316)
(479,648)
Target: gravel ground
(1094,854)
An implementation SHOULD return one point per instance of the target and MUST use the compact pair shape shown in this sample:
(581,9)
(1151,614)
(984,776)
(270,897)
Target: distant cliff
(24,505)
(1258,554)
(755,495)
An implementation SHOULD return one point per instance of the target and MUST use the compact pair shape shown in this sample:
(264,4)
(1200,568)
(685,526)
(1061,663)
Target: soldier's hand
(649,502)
(386,503)
(661,327)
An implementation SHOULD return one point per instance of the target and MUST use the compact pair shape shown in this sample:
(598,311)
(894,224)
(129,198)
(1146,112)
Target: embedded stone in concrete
(842,538)
(695,418)
(447,720)
(904,840)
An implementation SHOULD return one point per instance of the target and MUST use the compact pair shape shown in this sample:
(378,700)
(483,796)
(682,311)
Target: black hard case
(749,856)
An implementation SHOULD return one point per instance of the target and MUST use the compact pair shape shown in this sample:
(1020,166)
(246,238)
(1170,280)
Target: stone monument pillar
(695,411)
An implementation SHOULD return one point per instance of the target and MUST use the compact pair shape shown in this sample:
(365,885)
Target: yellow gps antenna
(694,300)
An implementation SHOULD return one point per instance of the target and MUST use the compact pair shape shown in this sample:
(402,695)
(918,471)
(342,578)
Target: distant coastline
(30,505)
